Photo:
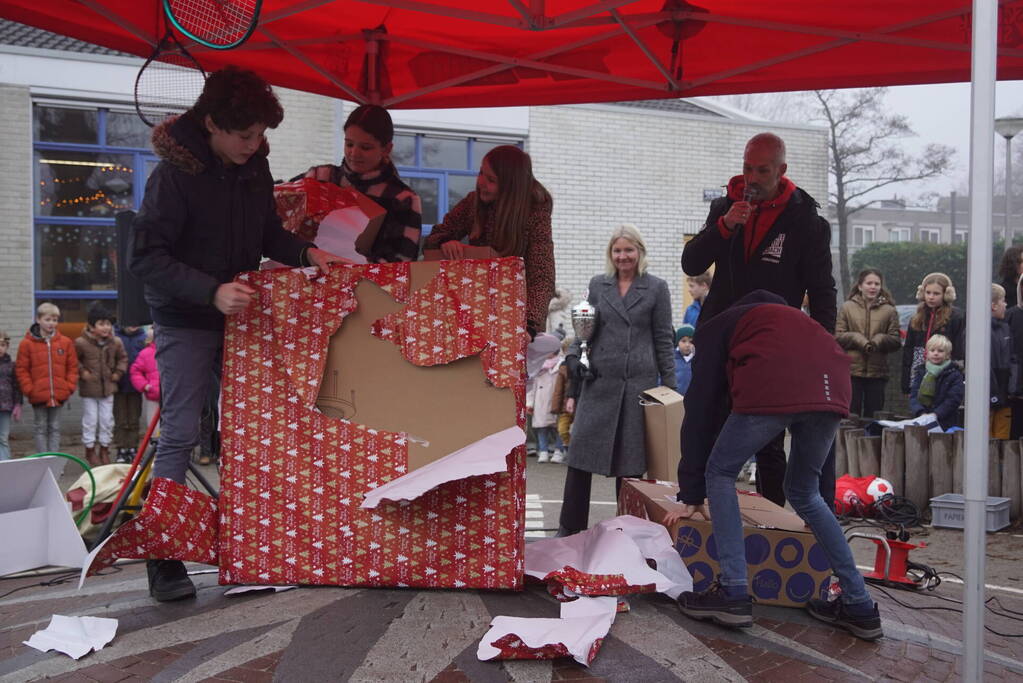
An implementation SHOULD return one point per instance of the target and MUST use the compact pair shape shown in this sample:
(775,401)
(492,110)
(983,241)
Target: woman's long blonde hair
(518,192)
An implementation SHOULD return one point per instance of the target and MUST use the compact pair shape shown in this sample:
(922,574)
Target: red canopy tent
(463,53)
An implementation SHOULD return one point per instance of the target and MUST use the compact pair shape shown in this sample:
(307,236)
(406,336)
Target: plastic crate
(948,510)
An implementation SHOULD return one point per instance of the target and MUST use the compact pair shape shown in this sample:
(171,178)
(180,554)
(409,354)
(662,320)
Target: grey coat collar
(620,304)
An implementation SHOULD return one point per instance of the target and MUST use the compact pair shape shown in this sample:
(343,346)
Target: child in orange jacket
(47,372)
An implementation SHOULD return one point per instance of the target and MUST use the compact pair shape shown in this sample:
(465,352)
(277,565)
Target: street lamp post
(1008,128)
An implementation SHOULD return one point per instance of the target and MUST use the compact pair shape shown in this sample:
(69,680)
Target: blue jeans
(812,436)
(5,431)
(547,438)
(189,362)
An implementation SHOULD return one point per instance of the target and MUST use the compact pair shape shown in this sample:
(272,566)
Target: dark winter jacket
(47,368)
(101,364)
(916,342)
(133,344)
(1004,369)
(10,394)
(859,324)
(793,259)
(949,391)
(759,357)
(398,238)
(201,223)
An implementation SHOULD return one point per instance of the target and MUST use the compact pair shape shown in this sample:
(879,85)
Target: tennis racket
(217,24)
(169,82)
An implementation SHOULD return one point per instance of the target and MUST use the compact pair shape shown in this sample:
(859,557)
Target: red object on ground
(457,53)
(897,568)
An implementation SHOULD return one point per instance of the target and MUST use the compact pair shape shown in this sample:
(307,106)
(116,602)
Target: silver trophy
(584,324)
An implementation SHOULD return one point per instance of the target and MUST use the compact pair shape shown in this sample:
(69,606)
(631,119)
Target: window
(930,235)
(961,236)
(898,234)
(863,235)
(89,164)
(441,169)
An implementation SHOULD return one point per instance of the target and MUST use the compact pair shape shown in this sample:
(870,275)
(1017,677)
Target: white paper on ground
(615,546)
(238,590)
(74,636)
(539,350)
(486,456)
(582,622)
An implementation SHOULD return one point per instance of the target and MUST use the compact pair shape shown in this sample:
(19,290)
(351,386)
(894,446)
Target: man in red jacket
(772,367)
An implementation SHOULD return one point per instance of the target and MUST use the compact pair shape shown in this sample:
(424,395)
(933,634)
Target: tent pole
(983,44)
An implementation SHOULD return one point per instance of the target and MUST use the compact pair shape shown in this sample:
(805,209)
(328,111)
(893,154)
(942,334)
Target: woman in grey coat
(630,352)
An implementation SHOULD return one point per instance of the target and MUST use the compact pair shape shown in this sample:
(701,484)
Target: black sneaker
(714,604)
(867,627)
(168,580)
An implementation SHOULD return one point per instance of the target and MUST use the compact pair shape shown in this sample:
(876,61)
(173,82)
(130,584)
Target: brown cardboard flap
(662,395)
(470,252)
(367,380)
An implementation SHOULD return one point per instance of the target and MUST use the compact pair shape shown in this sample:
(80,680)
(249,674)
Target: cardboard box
(36,528)
(662,413)
(337,385)
(470,252)
(785,564)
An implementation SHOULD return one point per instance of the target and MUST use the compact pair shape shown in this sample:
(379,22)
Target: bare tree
(865,154)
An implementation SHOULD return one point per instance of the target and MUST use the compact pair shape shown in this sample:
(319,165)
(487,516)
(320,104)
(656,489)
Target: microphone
(748,195)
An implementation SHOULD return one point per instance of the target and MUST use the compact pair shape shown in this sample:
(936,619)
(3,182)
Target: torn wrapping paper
(611,559)
(241,590)
(176,523)
(486,456)
(324,381)
(74,636)
(579,633)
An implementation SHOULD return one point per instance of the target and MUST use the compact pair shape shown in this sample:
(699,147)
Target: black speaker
(132,309)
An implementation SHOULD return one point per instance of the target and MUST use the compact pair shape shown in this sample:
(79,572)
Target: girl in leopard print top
(509,211)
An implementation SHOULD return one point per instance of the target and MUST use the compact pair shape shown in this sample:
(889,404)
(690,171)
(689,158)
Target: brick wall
(610,165)
(307,136)
(16,302)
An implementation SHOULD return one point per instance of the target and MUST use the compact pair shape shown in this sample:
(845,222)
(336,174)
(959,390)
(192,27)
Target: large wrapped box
(336,386)
(785,564)
(340,220)
(662,415)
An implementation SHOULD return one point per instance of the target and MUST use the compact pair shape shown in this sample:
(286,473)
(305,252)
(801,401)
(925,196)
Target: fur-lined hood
(562,300)
(182,141)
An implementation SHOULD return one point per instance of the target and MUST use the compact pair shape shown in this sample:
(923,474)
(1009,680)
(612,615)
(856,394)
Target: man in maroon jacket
(772,367)
(765,233)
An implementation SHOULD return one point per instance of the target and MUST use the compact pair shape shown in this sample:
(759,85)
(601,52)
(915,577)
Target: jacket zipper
(49,365)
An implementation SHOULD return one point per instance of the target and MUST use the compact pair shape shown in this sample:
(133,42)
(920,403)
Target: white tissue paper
(74,636)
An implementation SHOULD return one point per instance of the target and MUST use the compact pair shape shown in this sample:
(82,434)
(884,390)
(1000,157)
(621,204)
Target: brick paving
(784,645)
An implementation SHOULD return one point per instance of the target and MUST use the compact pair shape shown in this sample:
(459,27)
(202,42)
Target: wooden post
(869,452)
(1010,475)
(841,455)
(918,478)
(958,443)
(852,450)
(942,463)
(994,467)
(893,459)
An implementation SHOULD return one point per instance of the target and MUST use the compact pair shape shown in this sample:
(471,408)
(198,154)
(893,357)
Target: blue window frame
(89,164)
(441,169)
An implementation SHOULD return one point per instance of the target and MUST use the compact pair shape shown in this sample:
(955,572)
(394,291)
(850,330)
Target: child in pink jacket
(145,377)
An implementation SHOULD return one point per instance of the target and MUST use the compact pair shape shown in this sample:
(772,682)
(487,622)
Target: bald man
(765,234)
